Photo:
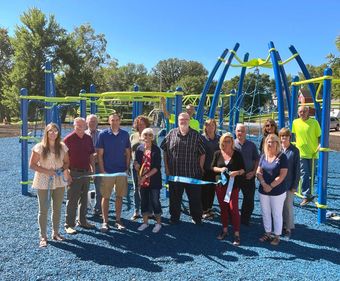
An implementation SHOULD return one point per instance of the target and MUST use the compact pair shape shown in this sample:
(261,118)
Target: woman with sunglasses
(50,161)
(228,161)
(271,173)
(292,179)
(148,167)
(269,127)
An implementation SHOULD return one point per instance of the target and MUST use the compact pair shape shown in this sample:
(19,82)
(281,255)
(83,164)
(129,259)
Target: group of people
(202,165)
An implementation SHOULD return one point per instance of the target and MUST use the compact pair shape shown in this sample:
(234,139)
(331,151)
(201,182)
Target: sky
(148,31)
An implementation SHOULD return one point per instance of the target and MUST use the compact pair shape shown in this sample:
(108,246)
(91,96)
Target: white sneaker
(157,228)
(105,227)
(143,227)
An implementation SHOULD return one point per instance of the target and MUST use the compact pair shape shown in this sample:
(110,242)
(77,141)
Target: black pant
(248,191)
(193,192)
(150,197)
(208,191)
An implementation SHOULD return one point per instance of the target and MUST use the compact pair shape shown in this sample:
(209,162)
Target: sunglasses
(148,135)
(52,131)
(270,125)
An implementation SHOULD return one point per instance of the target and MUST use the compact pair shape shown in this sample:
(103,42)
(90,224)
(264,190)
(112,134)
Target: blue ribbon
(223,180)
(122,174)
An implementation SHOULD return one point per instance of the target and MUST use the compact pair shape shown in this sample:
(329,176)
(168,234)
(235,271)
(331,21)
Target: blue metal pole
(310,85)
(134,106)
(178,104)
(24,142)
(284,81)
(220,83)
(239,99)
(278,85)
(54,109)
(323,160)
(221,116)
(200,108)
(231,110)
(48,111)
(93,106)
(293,102)
(139,105)
(169,106)
(83,105)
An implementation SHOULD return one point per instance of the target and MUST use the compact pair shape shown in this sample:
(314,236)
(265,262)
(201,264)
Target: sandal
(266,237)
(222,235)
(275,241)
(43,243)
(237,240)
(58,237)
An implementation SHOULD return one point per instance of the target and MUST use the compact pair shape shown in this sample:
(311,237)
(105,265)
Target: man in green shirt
(307,133)
(190,109)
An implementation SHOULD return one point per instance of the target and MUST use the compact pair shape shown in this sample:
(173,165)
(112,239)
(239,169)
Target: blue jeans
(150,197)
(306,175)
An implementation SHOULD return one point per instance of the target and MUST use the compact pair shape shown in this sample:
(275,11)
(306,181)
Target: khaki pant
(57,196)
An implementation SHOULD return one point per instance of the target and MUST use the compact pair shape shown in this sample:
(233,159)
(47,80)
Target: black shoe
(197,222)
(172,221)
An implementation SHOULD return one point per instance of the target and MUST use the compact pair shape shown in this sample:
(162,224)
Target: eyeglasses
(148,135)
(284,136)
(270,125)
(227,141)
(53,131)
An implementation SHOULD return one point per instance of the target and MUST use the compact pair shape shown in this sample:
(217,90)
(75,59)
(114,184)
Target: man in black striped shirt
(184,155)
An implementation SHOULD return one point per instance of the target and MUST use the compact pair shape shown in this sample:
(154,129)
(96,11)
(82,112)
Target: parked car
(334,124)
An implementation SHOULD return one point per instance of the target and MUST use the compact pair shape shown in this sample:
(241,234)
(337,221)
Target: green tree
(192,85)
(334,63)
(84,56)
(123,78)
(169,72)
(6,52)
(37,40)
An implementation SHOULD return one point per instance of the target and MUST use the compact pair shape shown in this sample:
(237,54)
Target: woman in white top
(50,161)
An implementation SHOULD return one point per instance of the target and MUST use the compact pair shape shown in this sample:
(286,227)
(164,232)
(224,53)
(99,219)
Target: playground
(184,251)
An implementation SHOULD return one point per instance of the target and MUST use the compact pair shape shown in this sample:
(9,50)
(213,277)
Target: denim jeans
(150,197)
(306,175)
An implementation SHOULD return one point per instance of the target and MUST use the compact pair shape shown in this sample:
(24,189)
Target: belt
(79,170)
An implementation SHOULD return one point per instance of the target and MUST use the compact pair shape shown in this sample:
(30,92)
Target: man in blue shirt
(251,159)
(114,154)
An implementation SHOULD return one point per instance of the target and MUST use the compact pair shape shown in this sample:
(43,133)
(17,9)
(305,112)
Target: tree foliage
(83,55)
(6,52)
(169,72)
(37,40)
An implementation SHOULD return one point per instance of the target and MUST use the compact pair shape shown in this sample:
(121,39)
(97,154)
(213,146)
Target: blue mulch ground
(181,252)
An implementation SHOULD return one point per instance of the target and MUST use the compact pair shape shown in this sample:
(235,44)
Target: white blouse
(41,180)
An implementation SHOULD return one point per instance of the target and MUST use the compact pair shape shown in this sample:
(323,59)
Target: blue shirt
(293,176)
(271,171)
(114,150)
(249,153)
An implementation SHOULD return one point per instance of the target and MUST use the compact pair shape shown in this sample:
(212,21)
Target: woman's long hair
(271,122)
(45,141)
